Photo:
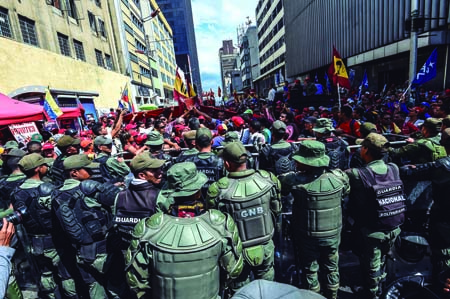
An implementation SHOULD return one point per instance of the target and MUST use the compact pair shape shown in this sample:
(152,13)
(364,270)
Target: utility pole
(413,41)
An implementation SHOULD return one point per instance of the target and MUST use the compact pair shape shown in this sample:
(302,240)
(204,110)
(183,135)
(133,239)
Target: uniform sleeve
(138,258)
(232,260)
(286,183)
(212,196)
(275,204)
(344,179)
(116,167)
(406,151)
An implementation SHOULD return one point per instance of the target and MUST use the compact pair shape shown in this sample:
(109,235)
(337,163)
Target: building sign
(23,132)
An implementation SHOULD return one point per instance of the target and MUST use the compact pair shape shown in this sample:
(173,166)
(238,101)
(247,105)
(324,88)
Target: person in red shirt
(347,126)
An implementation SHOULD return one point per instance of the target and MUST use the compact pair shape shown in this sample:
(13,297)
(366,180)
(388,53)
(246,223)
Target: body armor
(277,158)
(132,205)
(317,206)
(386,202)
(336,149)
(441,204)
(6,188)
(84,225)
(433,147)
(56,173)
(248,201)
(37,220)
(211,165)
(101,174)
(185,254)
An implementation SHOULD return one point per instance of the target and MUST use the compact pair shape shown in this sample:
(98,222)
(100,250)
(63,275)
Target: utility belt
(41,243)
(88,253)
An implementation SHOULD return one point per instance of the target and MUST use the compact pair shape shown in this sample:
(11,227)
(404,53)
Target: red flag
(219,92)
(337,71)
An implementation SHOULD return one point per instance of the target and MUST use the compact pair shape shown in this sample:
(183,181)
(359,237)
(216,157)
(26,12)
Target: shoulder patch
(223,183)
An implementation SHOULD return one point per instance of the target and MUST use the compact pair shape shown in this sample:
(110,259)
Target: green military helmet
(376,142)
(11,144)
(37,137)
(279,126)
(203,133)
(367,128)
(230,137)
(67,140)
(234,152)
(154,138)
(102,140)
(312,153)
(323,126)
(32,161)
(144,161)
(184,179)
(79,161)
(15,152)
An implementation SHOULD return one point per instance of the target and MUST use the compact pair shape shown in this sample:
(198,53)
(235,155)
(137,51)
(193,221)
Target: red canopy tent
(14,112)
(69,112)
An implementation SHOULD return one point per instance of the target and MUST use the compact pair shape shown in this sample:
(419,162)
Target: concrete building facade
(179,15)
(62,44)
(229,68)
(248,55)
(271,43)
(370,35)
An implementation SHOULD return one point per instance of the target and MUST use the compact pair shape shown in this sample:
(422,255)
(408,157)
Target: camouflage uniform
(189,254)
(190,135)
(317,215)
(111,169)
(155,142)
(252,198)
(374,242)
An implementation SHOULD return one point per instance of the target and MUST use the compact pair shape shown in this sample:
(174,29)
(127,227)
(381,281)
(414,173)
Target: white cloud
(214,21)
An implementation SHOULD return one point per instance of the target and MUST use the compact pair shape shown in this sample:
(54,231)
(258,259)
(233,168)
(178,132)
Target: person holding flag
(364,83)
(338,73)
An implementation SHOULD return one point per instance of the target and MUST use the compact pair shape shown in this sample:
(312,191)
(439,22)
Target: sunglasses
(162,127)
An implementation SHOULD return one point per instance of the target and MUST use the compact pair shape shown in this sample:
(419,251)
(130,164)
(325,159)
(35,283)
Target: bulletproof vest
(212,167)
(281,159)
(37,219)
(317,206)
(163,156)
(185,255)
(337,151)
(132,205)
(6,189)
(386,205)
(247,200)
(101,174)
(432,145)
(56,172)
(84,225)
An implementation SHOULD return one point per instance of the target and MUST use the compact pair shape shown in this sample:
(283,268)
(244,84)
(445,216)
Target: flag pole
(339,96)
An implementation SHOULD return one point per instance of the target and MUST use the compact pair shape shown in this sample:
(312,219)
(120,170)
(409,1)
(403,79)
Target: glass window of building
(5,28)
(79,50)
(99,57)
(108,60)
(101,28)
(64,47)
(54,3)
(92,21)
(154,73)
(71,8)
(28,29)
(98,3)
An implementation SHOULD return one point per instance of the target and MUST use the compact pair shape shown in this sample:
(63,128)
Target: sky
(214,21)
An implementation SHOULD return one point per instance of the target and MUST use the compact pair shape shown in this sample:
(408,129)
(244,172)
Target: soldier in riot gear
(82,209)
(14,177)
(276,157)
(365,129)
(155,142)
(206,161)
(376,206)
(316,215)
(68,146)
(439,230)
(189,252)
(335,147)
(34,196)
(252,198)
(423,150)
(189,139)
(111,169)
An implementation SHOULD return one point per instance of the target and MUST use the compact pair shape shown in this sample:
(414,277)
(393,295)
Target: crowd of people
(189,206)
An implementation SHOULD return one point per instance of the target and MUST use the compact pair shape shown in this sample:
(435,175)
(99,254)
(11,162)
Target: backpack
(385,199)
(338,155)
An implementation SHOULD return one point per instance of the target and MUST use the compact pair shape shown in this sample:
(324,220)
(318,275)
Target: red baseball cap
(130,127)
(47,146)
(141,138)
(222,129)
(133,133)
(201,117)
(237,121)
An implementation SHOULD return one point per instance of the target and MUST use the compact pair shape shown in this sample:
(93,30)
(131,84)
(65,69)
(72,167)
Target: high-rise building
(248,55)
(229,68)
(272,49)
(179,15)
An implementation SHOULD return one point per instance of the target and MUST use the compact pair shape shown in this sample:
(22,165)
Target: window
(137,2)
(133,57)
(99,57)
(5,28)
(92,21)
(55,3)
(154,73)
(71,8)
(144,71)
(108,60)
(98,3)
(140,46)
(28,31)
(137,22)
(163,76)
(101,28)
(63,41)
(79,50)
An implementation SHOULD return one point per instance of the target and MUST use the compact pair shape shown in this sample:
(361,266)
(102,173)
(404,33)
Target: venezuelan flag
(50,106)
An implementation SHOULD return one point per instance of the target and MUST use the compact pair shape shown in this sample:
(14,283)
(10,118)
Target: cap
(278,125)
(190,135)
(230,137)
(79,161)
(234,152)
(11,144)
(203,132)
(133,133)
(201,117)
(426,104)
(37,137)
(15,152)
(323,125)
(311,120)
(102,140)
(248,111)
(85,142)
(222,129)
(183,179)
(312,153)
(67,140)
(311,108)
(144,161)
(47,146)
(154,138)
(129,127)
(375,141)
(141,138)
(31,161)
(367,128)
(237,121)
(433,123)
